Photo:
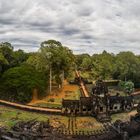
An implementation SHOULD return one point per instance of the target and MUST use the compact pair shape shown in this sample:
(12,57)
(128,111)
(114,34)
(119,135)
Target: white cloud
(85,26)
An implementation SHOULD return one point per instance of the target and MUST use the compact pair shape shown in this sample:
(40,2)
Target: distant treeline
(123,66)
(21,72)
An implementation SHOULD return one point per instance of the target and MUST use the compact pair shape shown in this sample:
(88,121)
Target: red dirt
(56,94)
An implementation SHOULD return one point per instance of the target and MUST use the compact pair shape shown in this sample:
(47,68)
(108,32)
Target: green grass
(10,116)
(113,91)
(50,105)
(72,95)
(56,100)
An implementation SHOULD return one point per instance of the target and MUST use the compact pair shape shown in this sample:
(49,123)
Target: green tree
(17,83)
(103,65)
(19,57)
(83,61)
(127,67)
(7,50)
(38,61)
(86,63)
(3,61)
(60,58)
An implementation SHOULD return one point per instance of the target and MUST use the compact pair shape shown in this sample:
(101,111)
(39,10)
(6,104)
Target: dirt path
(58,94)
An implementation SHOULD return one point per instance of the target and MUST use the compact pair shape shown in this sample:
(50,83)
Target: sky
(85,26)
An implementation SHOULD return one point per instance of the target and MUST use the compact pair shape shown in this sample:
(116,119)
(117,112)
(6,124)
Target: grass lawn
(72,95)
(114,90)
(49,105)
(10,116)
(55,100)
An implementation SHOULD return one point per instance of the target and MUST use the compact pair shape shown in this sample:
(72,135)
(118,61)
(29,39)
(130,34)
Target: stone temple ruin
(99,104)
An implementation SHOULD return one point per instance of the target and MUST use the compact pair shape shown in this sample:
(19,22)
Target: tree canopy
(123,66)
(18,82)
(58,57)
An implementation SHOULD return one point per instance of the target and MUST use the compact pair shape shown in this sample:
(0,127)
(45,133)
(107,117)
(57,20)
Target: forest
(21,73)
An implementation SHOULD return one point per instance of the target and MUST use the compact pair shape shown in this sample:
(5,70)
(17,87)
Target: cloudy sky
(86,26)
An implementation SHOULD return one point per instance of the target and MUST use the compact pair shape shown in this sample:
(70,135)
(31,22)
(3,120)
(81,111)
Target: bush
(127,86)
